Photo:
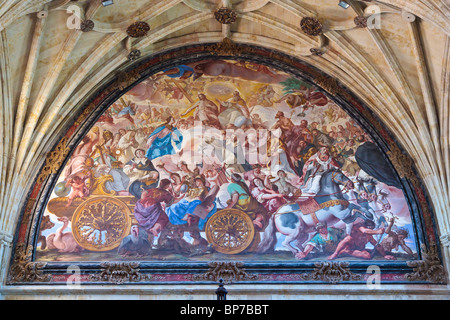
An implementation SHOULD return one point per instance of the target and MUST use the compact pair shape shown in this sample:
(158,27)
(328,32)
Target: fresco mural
(226,160)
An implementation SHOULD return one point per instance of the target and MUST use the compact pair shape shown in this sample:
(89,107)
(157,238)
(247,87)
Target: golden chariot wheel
(230,231)
(100,223)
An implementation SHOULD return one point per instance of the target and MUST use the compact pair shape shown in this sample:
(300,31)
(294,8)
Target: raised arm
(371,232)
(391,224)
(190,109)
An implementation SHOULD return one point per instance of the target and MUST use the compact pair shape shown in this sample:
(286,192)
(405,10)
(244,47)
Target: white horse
(290,221)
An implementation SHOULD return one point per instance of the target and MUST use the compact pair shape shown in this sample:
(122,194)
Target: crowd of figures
(142,147)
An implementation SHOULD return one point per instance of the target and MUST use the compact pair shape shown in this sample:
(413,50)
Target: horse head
(335,178)
(339,178)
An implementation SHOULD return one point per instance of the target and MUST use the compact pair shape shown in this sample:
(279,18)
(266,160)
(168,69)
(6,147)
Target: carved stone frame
(24,270)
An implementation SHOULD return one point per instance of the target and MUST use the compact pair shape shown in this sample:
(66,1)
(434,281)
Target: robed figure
(142,173)
(149,212)
(161,141)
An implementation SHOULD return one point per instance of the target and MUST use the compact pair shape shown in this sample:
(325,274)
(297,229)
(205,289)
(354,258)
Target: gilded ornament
(54,160)
(98,186)
(230,231)
(311,26)
(402,162)
(138,29)
(429,269)
(86,112)
(228,271)
(226,47)
(125,79)
(119,273)
(332,272)
(328,83)
(25,270)
(225,15)
(100,223)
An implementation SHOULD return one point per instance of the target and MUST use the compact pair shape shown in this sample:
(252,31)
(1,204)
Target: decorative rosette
(138,29)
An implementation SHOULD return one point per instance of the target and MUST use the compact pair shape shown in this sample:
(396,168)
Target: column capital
(445,239)
(6,239)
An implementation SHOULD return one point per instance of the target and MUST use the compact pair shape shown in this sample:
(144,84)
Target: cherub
(80,190)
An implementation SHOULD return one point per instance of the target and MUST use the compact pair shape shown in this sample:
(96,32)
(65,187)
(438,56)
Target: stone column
(5,252)
(445,241)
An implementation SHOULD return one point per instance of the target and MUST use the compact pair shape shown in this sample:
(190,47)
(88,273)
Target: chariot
(103,219)
(99,221)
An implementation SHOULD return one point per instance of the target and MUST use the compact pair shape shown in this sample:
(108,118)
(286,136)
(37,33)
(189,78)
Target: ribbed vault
(47,69)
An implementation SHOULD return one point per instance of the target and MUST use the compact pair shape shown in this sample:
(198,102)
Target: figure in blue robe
(182,71)
(199,202)
(178,211)
(160,141)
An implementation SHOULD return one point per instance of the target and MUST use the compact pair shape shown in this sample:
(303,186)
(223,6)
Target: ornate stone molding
(6,239)
(228,271)
(329,84)
(25,270)
(54,160)
(226,47)
(119,273)
(445,240)
(332,272)
(429,269)
(402,162)
(125,79)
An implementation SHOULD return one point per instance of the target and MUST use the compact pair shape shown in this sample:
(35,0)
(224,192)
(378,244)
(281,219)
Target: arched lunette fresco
(159,173)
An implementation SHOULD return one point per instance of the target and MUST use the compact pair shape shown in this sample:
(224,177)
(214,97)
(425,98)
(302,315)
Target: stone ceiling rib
(278,25)
(6,119)
(204,6)
(58,105)
(5,5)
(152,10)
(444,116)
(48,84)
(295,8)
(403,129)
(32,121)
(173,26)
(27,83)
(421,10)
(427,92)
(20,9)
(393,102)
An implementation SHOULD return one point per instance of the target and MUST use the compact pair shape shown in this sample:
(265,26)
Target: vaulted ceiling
(400,70)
